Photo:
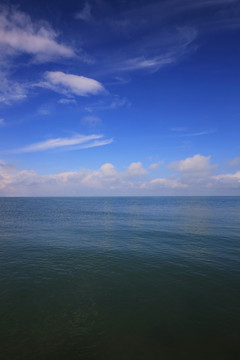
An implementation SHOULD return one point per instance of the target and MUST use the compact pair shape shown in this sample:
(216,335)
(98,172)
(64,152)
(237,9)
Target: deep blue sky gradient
(153,113)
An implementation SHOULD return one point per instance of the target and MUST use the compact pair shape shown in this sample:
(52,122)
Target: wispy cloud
(108,103)
(218,12)
(154,51)
(182,132)
(10,90)
(2,121)
(156,165)
(147,63)
(85,14)
(70,84)
(73,143)
(18,34)
(153,34)
(95,143)
(67,101)
(235,162)
(91,120)
(200,133)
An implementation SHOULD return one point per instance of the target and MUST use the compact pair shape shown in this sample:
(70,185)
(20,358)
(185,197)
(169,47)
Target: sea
(120,278)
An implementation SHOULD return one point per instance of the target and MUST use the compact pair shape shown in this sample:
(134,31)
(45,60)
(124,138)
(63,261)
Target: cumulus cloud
(195,164)
(195,171)
(228,179)
(108,169)
(7,176)
(75,142)
(136,169)
(70,84)
(18,35)
(108,180)
(85,181)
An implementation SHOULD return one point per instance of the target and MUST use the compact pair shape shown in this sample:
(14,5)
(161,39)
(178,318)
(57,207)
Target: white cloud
(11,91)
(164,183)
(67,101)
(156,165)
(7,174)
(108,180)
(136,169)
(228,179)
(18,34)
(195,171)
(93,144)
(2,122)
(85,181)
(196,164)
(75,142)
(108,169)
(150,63)
(70,84)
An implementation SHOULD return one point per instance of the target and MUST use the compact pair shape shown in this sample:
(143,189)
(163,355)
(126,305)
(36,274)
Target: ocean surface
(125,278)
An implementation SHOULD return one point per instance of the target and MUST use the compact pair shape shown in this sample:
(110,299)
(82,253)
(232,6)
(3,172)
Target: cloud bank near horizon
(201,179)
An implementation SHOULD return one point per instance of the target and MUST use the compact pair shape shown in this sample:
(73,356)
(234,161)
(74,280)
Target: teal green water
(120,278)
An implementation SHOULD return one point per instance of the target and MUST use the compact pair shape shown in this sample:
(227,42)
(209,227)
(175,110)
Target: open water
(120,278)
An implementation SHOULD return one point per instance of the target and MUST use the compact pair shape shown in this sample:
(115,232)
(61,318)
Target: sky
(119,98)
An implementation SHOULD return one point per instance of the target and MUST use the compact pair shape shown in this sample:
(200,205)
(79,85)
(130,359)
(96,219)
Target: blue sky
(119,97)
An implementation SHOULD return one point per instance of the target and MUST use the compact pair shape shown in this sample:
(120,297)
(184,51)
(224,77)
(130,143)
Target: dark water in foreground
(119,278)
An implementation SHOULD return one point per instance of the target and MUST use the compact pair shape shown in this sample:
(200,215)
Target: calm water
(119,278)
